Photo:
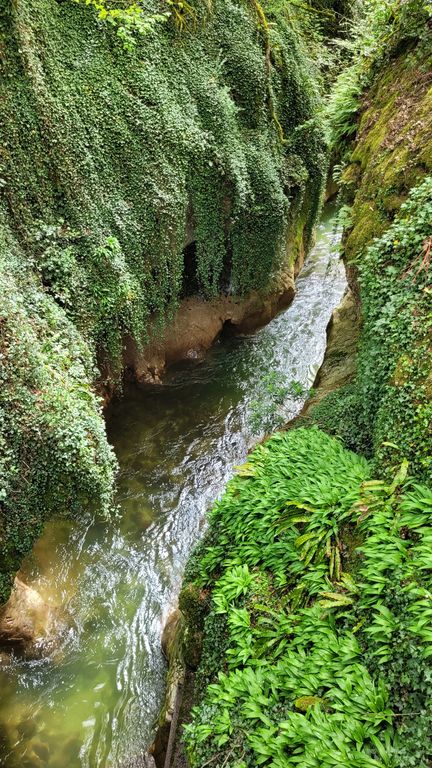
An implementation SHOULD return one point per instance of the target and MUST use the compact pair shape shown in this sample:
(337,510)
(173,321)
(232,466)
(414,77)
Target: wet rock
(172,646)
(198,323)
(340,360)
(27,622)
(139,761)
(170,631)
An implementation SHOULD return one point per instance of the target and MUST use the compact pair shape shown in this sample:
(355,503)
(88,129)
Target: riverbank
(182,638)
(308,574)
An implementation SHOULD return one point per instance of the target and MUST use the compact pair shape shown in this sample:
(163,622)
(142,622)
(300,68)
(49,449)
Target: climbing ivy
(54,456)
(387,411)
(112,150)
(129,21)
(395,357)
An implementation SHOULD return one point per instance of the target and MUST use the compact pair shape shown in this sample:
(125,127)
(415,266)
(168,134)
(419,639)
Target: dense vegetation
(317,645)
(118,147)
(385,176)
(130,131)
(387,411)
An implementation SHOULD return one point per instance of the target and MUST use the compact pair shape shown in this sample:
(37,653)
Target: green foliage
(128,21)
(54,455)
(260,510)
(387,411)
(378,29)
(343,105)
(395,292)
(310,670)
(341,413)
(108,158)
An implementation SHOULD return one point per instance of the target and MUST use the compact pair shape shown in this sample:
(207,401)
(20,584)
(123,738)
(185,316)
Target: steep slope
(386,410)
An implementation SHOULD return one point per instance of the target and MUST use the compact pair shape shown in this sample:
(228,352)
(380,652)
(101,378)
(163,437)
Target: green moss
(387,411)
(54,454)
(392,150)
(391,157)
(193,603)
(368,223)
(341,414)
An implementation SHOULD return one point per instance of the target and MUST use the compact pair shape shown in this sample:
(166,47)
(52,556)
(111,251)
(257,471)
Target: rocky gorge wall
(186,170)
(384,408)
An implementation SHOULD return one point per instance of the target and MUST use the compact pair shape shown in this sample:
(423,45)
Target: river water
(92,702)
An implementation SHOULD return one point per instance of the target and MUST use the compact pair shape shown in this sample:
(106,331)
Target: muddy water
(93,701)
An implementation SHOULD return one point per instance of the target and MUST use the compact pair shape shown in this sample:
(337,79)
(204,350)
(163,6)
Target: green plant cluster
(54,455)
(317,645)
(387,411)
(109,155)
(379,30)
(129,20)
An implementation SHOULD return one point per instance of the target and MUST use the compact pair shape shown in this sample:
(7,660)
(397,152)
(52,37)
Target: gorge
(168,288)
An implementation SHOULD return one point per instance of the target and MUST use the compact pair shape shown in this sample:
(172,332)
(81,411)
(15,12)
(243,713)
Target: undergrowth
(378,30)
(321,579)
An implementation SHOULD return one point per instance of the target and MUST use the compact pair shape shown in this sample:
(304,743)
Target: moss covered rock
(393,147)
(385,412)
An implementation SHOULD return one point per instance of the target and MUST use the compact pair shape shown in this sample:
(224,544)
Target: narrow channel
(93,700)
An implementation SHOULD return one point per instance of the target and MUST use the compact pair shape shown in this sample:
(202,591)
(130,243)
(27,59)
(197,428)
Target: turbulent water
(92,702)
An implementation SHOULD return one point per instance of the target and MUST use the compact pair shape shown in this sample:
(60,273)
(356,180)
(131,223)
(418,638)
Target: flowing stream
(93,700)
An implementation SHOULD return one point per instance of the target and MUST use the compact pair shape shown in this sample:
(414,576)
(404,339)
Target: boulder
(27,622)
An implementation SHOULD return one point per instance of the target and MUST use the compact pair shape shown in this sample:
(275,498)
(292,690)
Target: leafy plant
(127,21)
(317,681)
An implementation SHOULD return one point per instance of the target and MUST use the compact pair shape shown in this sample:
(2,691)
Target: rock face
(27,622)
(340,360)
(198,323)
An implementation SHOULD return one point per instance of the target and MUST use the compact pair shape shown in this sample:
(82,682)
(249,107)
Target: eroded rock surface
(198,323)
(27,622)
(340,361)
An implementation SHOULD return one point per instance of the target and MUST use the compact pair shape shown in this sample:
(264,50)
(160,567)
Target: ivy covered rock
(135,169)
(381,116)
